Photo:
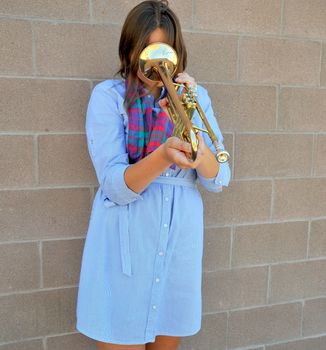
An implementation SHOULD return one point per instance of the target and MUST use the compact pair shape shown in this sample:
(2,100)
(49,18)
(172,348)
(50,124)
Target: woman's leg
(164,342)
(109,346)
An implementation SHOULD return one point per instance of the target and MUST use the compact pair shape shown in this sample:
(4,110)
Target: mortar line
(40,248)
(308,240)
(321,62)
(314,151)
(282,24)
(33,49)
(231,252)
(277,107)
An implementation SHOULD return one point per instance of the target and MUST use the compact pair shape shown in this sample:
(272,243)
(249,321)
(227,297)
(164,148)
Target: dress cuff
(128,193)
(221,179)
(119,189)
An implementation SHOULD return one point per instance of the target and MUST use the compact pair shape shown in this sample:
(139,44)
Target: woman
(140,280)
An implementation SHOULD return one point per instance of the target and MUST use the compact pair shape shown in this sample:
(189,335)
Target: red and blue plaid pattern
(147,129)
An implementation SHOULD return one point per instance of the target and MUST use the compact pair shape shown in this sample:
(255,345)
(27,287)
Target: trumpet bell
(153,54)
(158,64)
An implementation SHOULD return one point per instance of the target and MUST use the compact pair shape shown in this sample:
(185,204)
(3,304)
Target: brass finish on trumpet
(158,63)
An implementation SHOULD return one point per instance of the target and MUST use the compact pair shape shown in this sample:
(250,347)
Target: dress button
(160,253)
(165,225)
(166,198)
(157,280)
(154,306)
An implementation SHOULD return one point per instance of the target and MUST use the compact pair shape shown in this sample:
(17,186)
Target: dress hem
(104,339)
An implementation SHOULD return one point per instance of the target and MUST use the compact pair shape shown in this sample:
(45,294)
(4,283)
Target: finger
(185,146)
(183,74)
(188,155)
(163,102)
(185,78)
(182,161)
(180,145)
(197,161)
(202,142)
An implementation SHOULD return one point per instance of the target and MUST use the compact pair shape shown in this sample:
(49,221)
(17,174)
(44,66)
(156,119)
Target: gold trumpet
(158,63)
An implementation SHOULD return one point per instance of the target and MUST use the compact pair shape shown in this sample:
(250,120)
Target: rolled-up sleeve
(106,144)
(216,183)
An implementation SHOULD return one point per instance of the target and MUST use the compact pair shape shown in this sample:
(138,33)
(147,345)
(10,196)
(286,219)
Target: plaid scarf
(147,129)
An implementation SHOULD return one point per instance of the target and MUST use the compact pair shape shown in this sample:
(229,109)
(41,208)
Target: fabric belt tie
(124,240)
(190,182)
(124,220)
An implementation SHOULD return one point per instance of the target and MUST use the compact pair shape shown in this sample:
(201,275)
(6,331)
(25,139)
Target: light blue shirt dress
(141,268)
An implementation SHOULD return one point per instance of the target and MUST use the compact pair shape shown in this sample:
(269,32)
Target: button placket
(159,264)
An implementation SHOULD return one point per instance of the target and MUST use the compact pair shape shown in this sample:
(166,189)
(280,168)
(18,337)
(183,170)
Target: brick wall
(264,64)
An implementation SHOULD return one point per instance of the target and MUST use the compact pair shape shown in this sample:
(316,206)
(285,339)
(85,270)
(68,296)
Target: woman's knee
(164,342)
(109,346)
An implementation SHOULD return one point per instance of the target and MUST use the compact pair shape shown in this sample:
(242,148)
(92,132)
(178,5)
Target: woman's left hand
(185,78)
(182,78)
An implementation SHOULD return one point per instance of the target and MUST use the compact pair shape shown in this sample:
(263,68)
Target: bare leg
(164,342)
(109,346)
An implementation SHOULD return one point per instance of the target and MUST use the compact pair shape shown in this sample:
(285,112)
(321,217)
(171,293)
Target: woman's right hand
(174,150)
(177,151)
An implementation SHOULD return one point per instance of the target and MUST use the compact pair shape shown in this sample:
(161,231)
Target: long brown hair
(141,21)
